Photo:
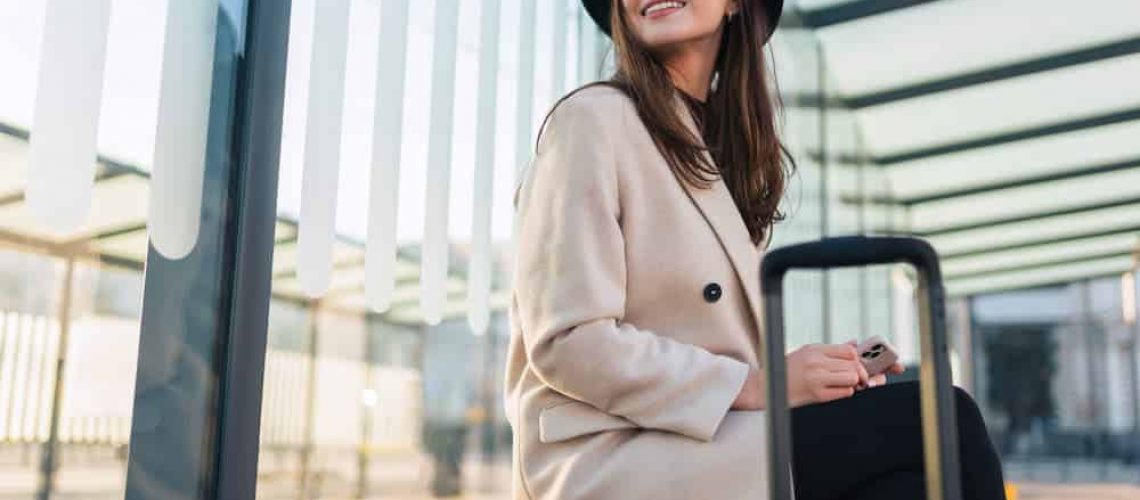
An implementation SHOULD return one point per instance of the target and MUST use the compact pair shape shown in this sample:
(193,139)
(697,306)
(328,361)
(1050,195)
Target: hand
(881,378)
(751,396)
(819,373)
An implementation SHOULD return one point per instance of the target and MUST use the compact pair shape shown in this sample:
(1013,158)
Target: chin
(664,34)
(666,38)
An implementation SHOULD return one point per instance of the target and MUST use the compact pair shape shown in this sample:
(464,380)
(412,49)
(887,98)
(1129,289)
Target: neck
(690,65)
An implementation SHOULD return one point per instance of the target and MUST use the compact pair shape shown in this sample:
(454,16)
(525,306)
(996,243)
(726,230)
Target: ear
(732,8)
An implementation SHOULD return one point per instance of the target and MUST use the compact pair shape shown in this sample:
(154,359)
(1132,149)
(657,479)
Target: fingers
(849,368)
(864,377)
(839,379)
(877,380)
(897,368)
(839,351)
(837,365)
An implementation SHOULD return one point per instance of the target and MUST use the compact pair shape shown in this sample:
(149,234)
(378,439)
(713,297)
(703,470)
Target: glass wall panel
(370,390)
(835,191)
(1056,374)
(798,66)
(104,106)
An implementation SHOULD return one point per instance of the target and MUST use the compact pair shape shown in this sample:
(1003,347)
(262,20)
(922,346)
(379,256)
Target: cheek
(707,13)
(707,17)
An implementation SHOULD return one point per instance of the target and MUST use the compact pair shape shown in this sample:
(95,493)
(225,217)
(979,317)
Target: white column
(62,147)
(183,119)
(434,263)
(387,136)
(905,322)
(317,226)
(479,269)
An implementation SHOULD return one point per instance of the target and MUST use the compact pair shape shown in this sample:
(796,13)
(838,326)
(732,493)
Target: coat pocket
(573,419)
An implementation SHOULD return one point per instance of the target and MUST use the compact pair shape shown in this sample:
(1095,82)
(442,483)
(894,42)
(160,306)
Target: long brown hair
(740,125)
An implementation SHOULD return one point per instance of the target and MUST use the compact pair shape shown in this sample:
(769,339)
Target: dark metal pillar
(197,402)
(261,98)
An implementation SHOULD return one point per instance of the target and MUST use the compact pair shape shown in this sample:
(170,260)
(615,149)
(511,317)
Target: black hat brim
(599,11)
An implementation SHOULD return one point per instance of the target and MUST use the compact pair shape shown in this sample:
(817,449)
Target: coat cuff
(711,406)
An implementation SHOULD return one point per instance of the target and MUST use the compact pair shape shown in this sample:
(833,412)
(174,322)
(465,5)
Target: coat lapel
(723,217)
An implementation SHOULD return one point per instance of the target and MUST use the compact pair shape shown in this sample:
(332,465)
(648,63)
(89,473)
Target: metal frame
(196,424)
(939,426)
(1046,241)
(1063,127)
(1026,218)
(1066,174)
(48,461)
(854,11)
(1086,54)
(261,97)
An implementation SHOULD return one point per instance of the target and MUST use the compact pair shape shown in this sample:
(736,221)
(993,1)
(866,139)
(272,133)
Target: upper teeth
(663,5)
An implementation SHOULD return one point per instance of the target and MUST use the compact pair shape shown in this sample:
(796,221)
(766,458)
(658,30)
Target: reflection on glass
(401,403)
(71,300)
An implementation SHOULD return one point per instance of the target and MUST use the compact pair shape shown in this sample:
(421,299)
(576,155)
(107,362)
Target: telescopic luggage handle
(943,478)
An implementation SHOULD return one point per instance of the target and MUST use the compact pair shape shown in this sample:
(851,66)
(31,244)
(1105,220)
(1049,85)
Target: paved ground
(406,477)
(1078,492)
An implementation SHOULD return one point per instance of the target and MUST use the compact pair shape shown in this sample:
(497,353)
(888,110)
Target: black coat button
(712,292)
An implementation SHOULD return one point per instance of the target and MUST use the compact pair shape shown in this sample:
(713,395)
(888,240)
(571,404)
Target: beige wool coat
(635,318)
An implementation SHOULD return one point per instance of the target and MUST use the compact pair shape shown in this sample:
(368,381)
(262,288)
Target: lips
(659,6)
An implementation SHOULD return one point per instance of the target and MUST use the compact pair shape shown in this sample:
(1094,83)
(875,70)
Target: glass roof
(1004,106)
(1008,132)
(987,166)
(950,37)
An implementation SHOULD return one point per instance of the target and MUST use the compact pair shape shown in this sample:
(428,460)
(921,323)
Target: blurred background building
(136,148)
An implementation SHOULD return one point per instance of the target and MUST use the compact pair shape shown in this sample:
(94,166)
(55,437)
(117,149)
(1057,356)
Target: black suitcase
(939,432)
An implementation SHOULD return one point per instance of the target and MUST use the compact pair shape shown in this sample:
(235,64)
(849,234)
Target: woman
(633,369)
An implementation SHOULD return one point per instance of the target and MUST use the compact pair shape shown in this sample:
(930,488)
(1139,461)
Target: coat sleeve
(570,286)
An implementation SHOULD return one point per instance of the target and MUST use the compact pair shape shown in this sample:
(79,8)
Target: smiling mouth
(662,7)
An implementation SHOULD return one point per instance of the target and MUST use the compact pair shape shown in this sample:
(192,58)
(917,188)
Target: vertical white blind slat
(525,85)
(62,156)
(479,274)
(317,225)
(587,49)
(573,42)
(183,118)
(559,60)
(383,203)
(434,263)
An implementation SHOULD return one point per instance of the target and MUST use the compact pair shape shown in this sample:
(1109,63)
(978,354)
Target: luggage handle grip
(848,251)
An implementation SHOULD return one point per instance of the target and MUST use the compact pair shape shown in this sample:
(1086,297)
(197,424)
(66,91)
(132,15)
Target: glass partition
(117,121)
